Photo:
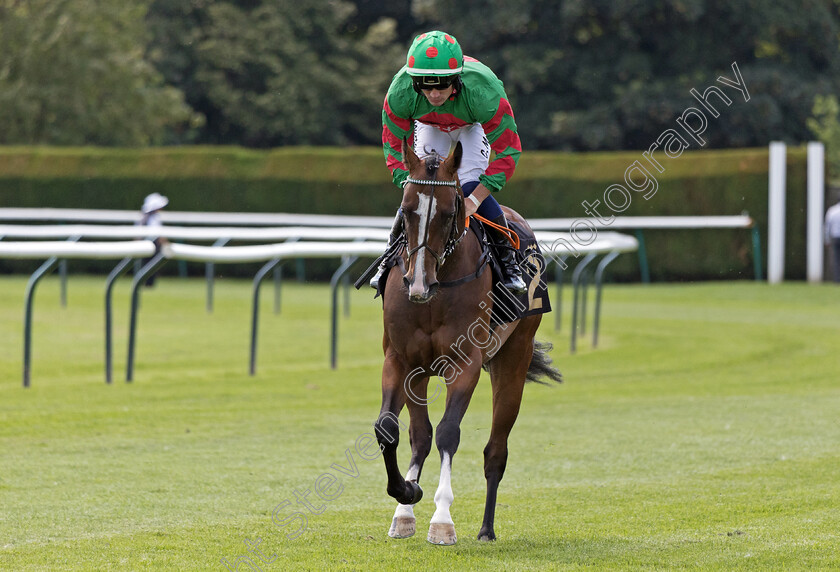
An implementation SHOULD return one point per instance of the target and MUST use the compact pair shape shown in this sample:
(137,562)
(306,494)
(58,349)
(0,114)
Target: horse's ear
(410,158)
(454,160)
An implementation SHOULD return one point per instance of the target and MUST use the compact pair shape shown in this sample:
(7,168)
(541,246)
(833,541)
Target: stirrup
(514,282)
(374,282)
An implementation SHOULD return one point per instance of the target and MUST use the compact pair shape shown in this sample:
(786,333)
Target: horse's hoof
(486,536)
(402,527)
(442,534)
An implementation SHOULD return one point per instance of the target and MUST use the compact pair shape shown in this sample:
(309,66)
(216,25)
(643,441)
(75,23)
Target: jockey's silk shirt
(482,99)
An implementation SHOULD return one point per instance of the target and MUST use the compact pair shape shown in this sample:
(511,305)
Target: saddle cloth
(506,306)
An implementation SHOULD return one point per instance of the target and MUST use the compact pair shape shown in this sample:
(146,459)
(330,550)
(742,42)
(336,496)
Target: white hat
(154,202)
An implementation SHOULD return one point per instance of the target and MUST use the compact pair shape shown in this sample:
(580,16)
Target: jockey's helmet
(435,61)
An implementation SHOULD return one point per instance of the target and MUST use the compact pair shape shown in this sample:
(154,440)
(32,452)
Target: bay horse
(437,322)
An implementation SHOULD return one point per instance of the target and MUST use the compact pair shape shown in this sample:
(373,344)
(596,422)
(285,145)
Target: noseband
(454,237)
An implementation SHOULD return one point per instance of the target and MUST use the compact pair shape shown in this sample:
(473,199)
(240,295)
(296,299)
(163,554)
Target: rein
(512,237)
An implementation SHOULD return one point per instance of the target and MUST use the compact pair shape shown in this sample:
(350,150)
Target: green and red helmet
(434,54)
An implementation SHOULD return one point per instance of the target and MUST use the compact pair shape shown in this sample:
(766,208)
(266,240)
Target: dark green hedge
(355,181)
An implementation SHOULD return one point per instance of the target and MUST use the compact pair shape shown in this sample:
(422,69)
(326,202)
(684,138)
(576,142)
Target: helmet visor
(434,81)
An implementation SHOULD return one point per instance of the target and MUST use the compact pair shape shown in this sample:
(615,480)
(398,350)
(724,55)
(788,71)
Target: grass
(701,434)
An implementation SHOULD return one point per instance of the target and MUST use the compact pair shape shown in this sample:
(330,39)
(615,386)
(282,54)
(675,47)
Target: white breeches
(476,148)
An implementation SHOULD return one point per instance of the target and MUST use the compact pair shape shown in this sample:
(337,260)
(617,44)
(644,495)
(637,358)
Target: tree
(269,73)
(611,74)
(72,73)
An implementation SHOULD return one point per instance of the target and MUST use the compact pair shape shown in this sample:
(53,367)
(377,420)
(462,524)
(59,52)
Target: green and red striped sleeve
(395,130)
(504,141)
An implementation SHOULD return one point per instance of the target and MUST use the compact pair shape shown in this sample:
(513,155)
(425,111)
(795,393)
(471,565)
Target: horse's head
(433,218)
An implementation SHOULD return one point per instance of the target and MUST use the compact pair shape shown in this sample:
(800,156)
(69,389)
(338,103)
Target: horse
(437,322)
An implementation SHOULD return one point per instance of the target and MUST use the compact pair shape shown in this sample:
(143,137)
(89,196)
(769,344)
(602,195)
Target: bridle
(454,236)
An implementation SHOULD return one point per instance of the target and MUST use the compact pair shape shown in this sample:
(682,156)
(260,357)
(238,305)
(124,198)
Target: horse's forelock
(432,162)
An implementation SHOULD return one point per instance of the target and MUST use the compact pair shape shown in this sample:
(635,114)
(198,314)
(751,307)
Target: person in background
(832,236)
(150,216)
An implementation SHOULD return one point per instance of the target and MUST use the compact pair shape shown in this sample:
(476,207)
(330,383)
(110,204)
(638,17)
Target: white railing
(349,243)
(336,224)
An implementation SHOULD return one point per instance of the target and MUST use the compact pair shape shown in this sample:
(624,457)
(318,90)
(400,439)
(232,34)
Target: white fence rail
(348,243)
(336,224)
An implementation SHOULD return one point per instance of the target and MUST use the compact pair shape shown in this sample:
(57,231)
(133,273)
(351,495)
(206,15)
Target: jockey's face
(438,97)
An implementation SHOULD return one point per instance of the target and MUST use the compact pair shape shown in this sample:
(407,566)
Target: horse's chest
(431,336)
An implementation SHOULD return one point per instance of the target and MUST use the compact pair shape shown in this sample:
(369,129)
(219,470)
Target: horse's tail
(541,365)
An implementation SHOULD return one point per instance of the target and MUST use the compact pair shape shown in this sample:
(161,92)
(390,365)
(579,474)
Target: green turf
(702,434)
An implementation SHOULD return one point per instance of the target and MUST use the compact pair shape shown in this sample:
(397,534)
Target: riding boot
(506,253)
(396,232)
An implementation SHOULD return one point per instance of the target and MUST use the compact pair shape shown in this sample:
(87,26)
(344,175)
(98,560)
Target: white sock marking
(444,497)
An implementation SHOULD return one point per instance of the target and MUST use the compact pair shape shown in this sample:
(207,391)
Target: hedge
(355,181)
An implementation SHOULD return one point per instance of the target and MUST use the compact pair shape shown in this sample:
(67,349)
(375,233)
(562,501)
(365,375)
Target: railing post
(119,270)
(599,284)
(334,284)
(559,263)
(29,297)
(209,274)
(584,279)
(47,267)
(576,286)
(156,262)
(776,198)
(255,311)
(62,272)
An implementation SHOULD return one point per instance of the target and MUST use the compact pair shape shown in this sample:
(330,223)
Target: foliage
(264,73)
(614,75)
(275,73)
(825,124)
(72,72)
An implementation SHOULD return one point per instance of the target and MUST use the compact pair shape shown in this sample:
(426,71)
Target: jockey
(443,97)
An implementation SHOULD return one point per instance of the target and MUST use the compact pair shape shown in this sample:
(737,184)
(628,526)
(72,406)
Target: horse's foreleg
(403,524)
(442,527)
(507,373)
(387,428)
(505,409)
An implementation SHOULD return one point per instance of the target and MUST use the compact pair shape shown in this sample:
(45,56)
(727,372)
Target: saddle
(507,307)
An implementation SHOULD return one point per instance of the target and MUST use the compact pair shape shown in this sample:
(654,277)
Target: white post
(776,214)
(816,203)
